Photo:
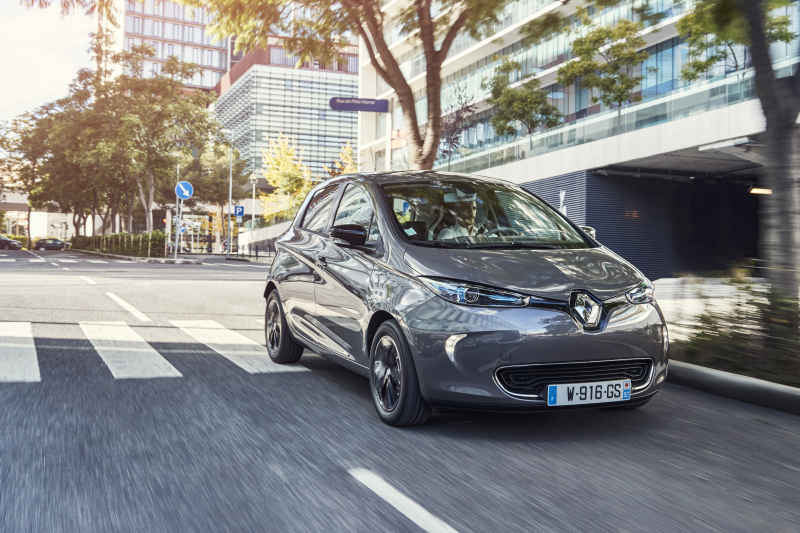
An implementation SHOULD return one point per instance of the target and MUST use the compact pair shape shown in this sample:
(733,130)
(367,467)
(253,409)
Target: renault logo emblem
(587,310)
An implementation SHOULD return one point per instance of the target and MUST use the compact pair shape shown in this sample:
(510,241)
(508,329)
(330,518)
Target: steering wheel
(504,229)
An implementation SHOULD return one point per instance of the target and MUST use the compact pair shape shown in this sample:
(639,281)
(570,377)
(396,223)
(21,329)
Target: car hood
(549,274)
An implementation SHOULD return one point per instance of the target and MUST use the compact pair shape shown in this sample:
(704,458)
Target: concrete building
(665,181)
(173,30)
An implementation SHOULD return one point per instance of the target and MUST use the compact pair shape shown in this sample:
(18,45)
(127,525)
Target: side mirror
(349,235)
(590,231)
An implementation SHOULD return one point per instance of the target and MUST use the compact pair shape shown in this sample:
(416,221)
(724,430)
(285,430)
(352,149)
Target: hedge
(132,244)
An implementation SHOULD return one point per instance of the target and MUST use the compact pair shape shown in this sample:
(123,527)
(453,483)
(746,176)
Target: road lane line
(36,260)
(67,261)
(408,507)
(96,261)
(238,349)
(18,353)
(64,268)
(7,260)
(126,354)
(89,281)
(260,320)
(128,307)
(55,264)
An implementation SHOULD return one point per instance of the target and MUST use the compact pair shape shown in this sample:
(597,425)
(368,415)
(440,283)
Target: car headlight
(470,294)
(641,294)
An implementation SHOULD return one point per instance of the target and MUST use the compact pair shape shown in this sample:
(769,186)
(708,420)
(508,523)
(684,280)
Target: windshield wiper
(440,244)
(514,245)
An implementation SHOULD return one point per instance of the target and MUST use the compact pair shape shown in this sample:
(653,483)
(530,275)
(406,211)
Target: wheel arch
(375,321)
(271,286)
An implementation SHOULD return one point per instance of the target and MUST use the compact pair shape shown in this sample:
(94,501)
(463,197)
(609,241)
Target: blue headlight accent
(463,293)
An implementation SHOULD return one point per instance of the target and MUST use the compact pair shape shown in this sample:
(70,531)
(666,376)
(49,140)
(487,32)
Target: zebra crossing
(127,355)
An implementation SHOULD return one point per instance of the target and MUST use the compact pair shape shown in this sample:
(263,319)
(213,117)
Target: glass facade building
(175,30)
(265,96)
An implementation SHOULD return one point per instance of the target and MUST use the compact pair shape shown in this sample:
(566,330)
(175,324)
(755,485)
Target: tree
(104,8)
(210,174)
(607,60)
(22,154)
(714,38)
(346,163)
(283,168)
(320,29)
(528,104)
(456,120)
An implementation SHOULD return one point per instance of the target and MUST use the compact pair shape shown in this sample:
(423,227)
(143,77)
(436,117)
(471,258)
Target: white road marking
(96,261)
(18,353)
(55,264)
(260,320)
(241,351)
(89,281)
(7,260)
(36,260)
(64,268)
(408,507)
(128,307)
(67,261)
(122,261)
(126,354)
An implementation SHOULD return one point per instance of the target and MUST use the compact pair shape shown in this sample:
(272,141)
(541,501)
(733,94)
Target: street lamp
(178,205)
(229,133)
(253,181)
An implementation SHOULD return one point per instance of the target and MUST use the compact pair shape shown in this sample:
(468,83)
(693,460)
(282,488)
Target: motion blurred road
(154,410)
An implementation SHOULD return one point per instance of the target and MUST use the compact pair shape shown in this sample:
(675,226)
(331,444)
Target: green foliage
(528,104)
(137,244)
(346,164)
(754,334)
(716,30)
(210,174)
(606,60)
(284,170)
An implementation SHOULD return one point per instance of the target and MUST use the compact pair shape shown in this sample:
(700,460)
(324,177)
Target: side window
(319,208)
(356,208)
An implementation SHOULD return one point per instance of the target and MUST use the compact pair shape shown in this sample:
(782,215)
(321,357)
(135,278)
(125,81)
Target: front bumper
(499,338)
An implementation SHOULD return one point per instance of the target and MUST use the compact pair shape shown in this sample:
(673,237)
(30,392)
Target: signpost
(370,105)
(184,191)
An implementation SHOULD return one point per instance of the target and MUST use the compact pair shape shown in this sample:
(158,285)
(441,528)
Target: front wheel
(42,248)
(393,379)
(280,344)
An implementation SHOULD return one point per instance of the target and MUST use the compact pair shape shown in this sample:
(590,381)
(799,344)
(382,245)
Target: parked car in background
(50,244)
(9,244)
(451,290)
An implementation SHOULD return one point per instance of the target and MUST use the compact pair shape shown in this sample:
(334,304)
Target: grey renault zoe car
(451,290)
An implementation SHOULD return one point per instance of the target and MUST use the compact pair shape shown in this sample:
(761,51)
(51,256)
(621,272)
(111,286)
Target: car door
(341,293)
(295,268)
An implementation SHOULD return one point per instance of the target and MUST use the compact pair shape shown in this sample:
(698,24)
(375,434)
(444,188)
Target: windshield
(475,214)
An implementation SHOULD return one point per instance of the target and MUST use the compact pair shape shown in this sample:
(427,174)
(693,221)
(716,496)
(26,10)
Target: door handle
(321,262)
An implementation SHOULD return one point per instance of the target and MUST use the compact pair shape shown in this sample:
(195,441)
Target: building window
(321,114)
(380,160)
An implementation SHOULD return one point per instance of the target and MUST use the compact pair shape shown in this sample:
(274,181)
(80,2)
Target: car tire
(42,248)
(399,401)
(635,405)
(6,247)
(281,346)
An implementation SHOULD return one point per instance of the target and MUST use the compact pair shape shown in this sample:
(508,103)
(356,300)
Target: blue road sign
(184,190)
(359,104)
(238,210)
(183,229)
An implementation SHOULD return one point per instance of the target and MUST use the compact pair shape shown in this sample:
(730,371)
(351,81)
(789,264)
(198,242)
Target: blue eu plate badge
(552,395)
(626,390)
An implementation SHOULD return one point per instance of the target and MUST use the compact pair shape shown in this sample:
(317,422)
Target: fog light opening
(450,345)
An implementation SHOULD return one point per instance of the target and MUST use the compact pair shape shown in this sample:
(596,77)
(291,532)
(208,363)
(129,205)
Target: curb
(161,260)
(735,387)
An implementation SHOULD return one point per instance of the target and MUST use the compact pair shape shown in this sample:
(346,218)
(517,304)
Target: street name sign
(184,190)
(369,105)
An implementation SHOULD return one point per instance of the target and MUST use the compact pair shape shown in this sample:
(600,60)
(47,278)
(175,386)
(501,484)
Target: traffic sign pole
(177,228)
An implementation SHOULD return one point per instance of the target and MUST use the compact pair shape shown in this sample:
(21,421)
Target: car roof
(393,176)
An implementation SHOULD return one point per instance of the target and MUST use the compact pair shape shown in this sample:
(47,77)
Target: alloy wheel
(387,372)
(274,325)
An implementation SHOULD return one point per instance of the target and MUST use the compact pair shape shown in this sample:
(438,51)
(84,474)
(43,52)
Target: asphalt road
(212,447)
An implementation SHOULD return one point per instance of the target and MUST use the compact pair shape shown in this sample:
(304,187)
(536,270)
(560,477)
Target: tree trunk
(148,219)
(30,242)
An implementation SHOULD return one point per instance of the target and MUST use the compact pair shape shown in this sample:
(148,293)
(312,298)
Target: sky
(41,54)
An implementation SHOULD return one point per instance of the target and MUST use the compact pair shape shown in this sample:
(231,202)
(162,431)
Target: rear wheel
(393,379)
(42,248)
(6,247)
(280,344)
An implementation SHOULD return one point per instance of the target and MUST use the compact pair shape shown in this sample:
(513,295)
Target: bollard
(256,252)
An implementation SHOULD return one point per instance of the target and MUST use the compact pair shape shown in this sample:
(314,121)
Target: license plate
(583,393)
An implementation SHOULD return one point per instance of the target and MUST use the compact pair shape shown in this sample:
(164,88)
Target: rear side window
(319,208)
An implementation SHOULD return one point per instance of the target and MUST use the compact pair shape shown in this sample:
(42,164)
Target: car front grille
(531,380)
